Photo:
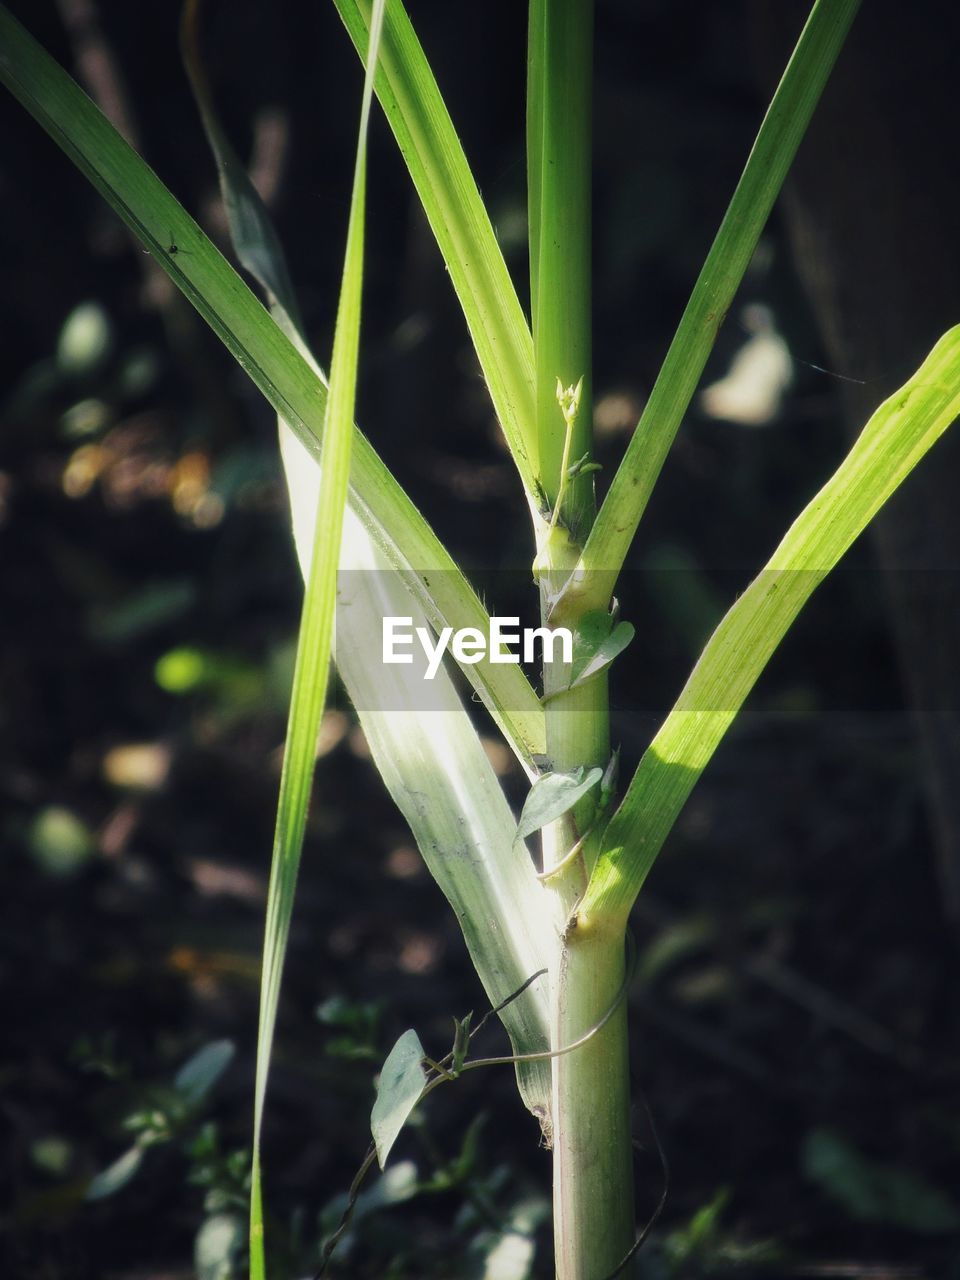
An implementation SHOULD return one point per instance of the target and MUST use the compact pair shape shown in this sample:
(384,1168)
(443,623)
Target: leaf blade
(402,1078)
(596,644)
(314,643)
(200,1073)
(426,136)
(893,441)
(770,158)
(433,764)
(282,372)
(553,795)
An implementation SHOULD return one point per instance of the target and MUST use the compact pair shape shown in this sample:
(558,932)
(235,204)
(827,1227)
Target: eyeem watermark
(505,642)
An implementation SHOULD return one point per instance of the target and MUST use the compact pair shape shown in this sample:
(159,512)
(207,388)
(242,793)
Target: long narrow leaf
(425,134)
(889,447)
(536,37)
(431,760)
(780,134)
(277,367)
(314,642)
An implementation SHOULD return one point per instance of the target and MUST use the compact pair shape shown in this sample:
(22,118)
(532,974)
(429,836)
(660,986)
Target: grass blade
(432,763)
(252,232)
(431,760)
(314,642)
(428,141)
(282,372)
(891,444)
(783,127)
(536,38)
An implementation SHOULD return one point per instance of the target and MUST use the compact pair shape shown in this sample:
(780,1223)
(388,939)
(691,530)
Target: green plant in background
(172,1114)
(568,1028)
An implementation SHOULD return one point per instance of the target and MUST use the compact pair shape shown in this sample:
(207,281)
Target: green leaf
(897,436)
(770,159)
(873,1192)
(583,467)
(596,643)
(217,1247)
(117,1175)
(553,795)
(314,642)
(433,765)
(272,357)
(431,149)
(252,231)
(398,1092)
(432,761)
(461,1043)
(200,1073)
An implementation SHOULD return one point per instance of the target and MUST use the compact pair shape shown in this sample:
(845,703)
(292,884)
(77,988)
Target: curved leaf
(553,795)
(425,134)
(596,643)
(897,436)
(279,368)
(402,1078)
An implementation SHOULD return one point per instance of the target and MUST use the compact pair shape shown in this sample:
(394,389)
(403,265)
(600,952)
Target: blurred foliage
(870,1191)
(149,598)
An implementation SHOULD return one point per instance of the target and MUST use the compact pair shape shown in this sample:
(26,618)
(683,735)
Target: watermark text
(505,642)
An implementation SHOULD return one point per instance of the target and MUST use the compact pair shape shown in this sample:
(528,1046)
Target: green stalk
(592,1149)
(560,240)
(593,1198)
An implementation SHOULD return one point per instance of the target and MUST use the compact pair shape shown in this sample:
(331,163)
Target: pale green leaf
(596,642)
(116,1176)
(200,1073)
(871,1191)
(553,795)
(433,763)
(217,1247)
(398,1092)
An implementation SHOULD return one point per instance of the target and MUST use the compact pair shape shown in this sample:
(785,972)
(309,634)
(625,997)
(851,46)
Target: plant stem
(559,141)
(593,1184)
(592,1155)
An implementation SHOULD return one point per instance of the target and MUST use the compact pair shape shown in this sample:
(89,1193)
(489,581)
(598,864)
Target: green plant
(570,919)
(172,1114)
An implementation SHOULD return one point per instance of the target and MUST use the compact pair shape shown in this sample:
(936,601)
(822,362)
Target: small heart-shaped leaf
(596,643)
(401,1083)
(553,795)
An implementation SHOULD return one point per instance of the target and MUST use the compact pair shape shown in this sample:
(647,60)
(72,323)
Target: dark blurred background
(795,1017)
